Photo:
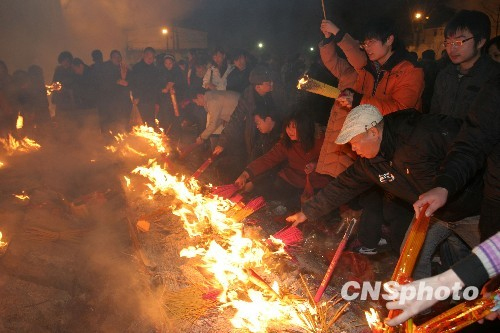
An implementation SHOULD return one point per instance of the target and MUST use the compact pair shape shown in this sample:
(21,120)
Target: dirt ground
(74,264)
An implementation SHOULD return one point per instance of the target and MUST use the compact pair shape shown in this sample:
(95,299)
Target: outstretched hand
(296,218)
(436,198)
(406,297)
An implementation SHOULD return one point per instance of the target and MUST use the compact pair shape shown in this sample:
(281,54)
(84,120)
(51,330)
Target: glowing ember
(12,145)
(22,196)
(55,86)
(1,164)
(3,245)
(127,180)
(19,121)
(374,322)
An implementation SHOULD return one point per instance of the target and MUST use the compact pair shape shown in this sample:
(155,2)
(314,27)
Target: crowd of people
(402,134)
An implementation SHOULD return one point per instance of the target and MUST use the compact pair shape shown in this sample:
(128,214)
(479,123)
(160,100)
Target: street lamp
(260,45)
(418,15)
(311,49)
(164,32)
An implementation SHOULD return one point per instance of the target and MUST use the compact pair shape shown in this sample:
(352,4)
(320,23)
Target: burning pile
(232,261)
(12,145)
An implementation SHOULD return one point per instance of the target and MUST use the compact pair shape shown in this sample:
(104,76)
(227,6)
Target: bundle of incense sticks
(409,254)
(203,167)
(309,84)
(290,236)
(225,191)
(236,198)
(462,315)
(250,208)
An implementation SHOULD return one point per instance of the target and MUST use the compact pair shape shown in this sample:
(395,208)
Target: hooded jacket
(412,148)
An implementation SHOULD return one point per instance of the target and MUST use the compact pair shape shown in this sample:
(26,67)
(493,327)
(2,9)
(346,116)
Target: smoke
(35,32)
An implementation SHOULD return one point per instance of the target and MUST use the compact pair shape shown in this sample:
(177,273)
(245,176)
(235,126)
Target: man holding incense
(401,153)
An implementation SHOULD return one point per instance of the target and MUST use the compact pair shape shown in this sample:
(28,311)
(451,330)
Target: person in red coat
(294,159)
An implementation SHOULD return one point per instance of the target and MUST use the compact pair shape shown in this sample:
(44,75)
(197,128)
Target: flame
(12,145)
(373,320)
(221,248)
(23,196)
(55,86)
(2,243)
(19,121)
(1,164)
(127,180)
(156,140)
(303,80)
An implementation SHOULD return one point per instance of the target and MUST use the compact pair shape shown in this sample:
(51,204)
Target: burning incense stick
(308,84)
(334,261)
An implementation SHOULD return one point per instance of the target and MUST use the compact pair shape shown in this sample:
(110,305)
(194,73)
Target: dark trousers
(379,209)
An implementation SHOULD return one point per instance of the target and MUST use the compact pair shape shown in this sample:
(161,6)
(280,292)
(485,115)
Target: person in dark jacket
(114,104)
(63,99)
(171,91)
(241,129)
(144,86)
(295,156)
(237,80)
(401,154)
(458,84)
(477,145)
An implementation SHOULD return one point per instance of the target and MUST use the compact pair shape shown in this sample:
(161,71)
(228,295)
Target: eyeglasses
(368,43)
(457,42)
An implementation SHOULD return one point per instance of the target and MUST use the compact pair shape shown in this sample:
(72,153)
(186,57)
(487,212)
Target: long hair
(305,129)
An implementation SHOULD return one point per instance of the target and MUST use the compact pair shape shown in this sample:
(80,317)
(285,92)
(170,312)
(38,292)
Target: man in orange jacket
(377,72)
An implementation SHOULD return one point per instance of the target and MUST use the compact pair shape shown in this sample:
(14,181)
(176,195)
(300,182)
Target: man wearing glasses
(381,73)
(458,84)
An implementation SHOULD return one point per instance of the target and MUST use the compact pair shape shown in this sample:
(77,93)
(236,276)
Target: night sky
(35,31)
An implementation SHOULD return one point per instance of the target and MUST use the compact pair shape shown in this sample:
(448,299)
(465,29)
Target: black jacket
(453,95)
(144,82)
(413,147)
(241,126)
(477,143)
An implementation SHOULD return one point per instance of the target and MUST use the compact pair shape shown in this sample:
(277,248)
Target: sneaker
(366,250)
